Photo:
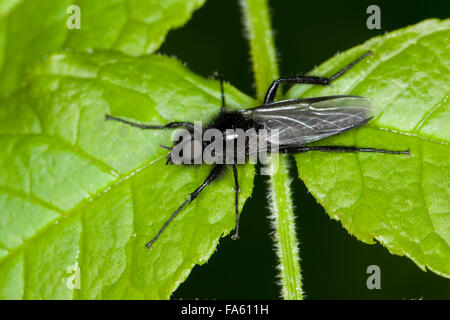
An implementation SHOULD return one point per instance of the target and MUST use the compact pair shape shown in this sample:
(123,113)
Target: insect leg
(218,74)
(210,178)
(349,66)
(271,92)
(236,203)
(187,125)
(339,149)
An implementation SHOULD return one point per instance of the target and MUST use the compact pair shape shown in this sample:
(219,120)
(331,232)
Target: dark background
(333,262)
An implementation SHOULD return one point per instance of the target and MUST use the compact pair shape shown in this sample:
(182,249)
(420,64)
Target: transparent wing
(300,121)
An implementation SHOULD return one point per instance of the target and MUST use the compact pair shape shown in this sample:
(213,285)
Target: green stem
(265,69)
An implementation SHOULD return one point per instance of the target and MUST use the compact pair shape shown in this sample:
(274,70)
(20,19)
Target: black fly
(297,122)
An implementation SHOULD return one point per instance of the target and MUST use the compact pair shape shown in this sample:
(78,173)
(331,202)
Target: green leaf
(76,191)
(131,26)
(403,202)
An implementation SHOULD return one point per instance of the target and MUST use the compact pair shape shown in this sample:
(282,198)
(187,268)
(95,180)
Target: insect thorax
(228,139)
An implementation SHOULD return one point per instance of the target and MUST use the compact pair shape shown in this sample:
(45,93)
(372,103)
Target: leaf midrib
(65,214)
